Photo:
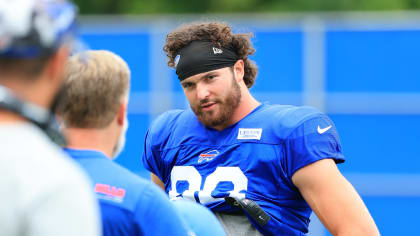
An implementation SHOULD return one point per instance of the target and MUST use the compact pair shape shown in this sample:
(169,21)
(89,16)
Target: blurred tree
(237,6)
(413,4)
(99,6)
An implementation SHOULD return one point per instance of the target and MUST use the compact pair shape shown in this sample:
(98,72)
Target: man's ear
(239,70)
(122,112)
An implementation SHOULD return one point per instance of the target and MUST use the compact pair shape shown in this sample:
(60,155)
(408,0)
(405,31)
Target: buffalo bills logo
(207,156)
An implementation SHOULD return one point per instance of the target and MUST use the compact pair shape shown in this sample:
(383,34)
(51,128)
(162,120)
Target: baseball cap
(32,28)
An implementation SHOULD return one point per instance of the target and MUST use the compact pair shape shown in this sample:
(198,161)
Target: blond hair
(96,83)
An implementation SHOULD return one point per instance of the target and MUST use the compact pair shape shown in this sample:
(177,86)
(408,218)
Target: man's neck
(90,139)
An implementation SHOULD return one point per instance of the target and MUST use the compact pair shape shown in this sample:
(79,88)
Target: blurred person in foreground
(260,167)
(93,112)
(42,191)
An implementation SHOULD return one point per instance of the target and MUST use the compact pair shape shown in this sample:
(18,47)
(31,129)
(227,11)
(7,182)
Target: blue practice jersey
(129,205)
(254,158)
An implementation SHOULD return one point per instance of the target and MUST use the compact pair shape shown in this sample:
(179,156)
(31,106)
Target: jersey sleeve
(151,155)
(156,138)
(312,140)
(156,215)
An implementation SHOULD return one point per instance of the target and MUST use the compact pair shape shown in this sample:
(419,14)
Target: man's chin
(213,122)
(206,119)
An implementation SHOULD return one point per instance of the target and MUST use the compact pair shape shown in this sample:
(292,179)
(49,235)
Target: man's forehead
(197,77)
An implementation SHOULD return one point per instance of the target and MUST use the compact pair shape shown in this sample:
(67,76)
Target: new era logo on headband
(176,60)
(217,50)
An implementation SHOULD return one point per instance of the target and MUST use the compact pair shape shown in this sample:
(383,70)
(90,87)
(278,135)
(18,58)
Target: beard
(119,146)
(222,116)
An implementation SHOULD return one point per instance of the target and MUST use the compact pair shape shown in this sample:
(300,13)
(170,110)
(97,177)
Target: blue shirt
(199,218)
(129,205)
(254,158)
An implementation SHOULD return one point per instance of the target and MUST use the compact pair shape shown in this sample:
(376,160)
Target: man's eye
(187,85)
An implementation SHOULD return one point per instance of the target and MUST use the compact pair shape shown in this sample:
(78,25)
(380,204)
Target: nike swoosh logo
(323,130)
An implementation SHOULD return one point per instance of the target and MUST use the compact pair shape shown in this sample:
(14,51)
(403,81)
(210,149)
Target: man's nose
(202,91)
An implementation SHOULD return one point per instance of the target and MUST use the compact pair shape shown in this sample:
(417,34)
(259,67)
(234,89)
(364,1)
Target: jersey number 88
(190,174)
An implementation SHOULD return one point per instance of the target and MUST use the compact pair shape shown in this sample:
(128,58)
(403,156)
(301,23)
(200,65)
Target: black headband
(203,56)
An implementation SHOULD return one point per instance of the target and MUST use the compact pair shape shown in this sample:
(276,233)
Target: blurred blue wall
(364,73)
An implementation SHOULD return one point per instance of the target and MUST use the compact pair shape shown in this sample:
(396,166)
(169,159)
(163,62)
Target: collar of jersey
(85,153)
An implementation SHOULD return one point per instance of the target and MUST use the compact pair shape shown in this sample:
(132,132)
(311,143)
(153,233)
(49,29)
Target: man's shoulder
(281,120)
(170,118)
(29,147)
(288,115)
(36,164)
(107,173)
(170,123)
(115,186)
(124,177)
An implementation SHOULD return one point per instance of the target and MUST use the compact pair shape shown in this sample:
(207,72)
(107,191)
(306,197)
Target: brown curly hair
(219,33)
